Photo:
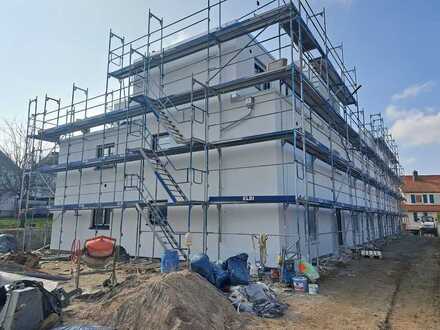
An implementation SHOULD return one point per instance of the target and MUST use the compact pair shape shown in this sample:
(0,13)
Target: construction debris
(257,298)
(26,304)
(27,259)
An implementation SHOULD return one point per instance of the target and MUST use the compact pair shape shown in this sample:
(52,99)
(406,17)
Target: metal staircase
(154,217)
(160,163)
(164,176)
(159,104)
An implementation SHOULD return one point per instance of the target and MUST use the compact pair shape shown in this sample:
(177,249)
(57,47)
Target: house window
(101,219)
(158,213)
(418,198)
(259,67)
(162,141)
(313,230)
(415,217)
(425,199)
(310,159)
(431,198)
(413,199)
(105,150)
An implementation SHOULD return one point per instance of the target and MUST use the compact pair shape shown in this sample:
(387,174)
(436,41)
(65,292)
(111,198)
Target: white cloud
(394,112)
(413,91)
(415,127)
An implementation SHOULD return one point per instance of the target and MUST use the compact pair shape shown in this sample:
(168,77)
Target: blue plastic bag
(237,269)
(169,261)
(222,279)
(201,265)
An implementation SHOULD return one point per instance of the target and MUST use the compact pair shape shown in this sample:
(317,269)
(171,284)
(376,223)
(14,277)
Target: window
(161,214)
(415,217)
(162,141)
(413,199)
(310,159)
(105,150)
(418,198)
(431,198)
(259,67)
(313,230)
(101,219)
(425,199)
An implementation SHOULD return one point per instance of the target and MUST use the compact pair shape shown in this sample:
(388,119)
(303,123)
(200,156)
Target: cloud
(413,91)
(394,112)
(415,127)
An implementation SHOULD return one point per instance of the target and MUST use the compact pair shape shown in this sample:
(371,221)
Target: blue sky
(48,44)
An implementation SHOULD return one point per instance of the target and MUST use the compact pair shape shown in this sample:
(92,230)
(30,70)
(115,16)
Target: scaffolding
(137,107)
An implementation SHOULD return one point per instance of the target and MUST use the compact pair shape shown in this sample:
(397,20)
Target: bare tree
(12,145)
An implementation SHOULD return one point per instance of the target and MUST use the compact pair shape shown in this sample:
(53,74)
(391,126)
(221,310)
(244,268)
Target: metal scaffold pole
(173,105)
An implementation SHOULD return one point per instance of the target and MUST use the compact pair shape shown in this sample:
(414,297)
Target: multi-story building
(422,196)
(225,136)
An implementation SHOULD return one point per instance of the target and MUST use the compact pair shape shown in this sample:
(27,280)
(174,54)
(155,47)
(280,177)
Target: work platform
(141,105)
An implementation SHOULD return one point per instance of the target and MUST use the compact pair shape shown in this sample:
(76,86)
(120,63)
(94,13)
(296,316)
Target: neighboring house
(422,196)
(9,186)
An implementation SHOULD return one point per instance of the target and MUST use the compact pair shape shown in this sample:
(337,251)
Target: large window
(431,198)
(413,199)
(104,150)
(425,199)
(101,219)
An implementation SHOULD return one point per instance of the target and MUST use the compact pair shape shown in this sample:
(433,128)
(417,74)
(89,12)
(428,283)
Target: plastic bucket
(300,284)
(169,261)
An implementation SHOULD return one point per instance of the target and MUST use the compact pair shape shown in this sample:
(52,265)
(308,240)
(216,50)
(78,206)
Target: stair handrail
(158,98)
(158,153)
(141,187)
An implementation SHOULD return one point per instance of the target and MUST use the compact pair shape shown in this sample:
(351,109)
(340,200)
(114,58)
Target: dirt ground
(400,291)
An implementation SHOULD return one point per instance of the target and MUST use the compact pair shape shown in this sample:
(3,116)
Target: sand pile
(181,300)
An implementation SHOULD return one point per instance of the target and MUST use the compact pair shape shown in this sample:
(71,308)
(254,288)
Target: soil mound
(180,300)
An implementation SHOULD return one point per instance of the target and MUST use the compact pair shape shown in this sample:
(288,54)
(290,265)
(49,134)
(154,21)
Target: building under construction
(251,127)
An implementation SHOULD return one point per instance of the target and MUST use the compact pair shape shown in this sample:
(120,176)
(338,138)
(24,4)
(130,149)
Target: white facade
(268,168)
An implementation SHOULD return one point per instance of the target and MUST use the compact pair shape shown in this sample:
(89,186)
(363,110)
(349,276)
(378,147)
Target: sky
(49,44)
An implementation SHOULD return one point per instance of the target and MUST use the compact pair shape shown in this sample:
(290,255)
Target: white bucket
(313,288)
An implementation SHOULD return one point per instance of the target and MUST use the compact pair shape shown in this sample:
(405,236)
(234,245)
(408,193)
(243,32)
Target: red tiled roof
(421,208)
(422,184)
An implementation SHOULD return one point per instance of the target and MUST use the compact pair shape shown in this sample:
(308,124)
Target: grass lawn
(8,223)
